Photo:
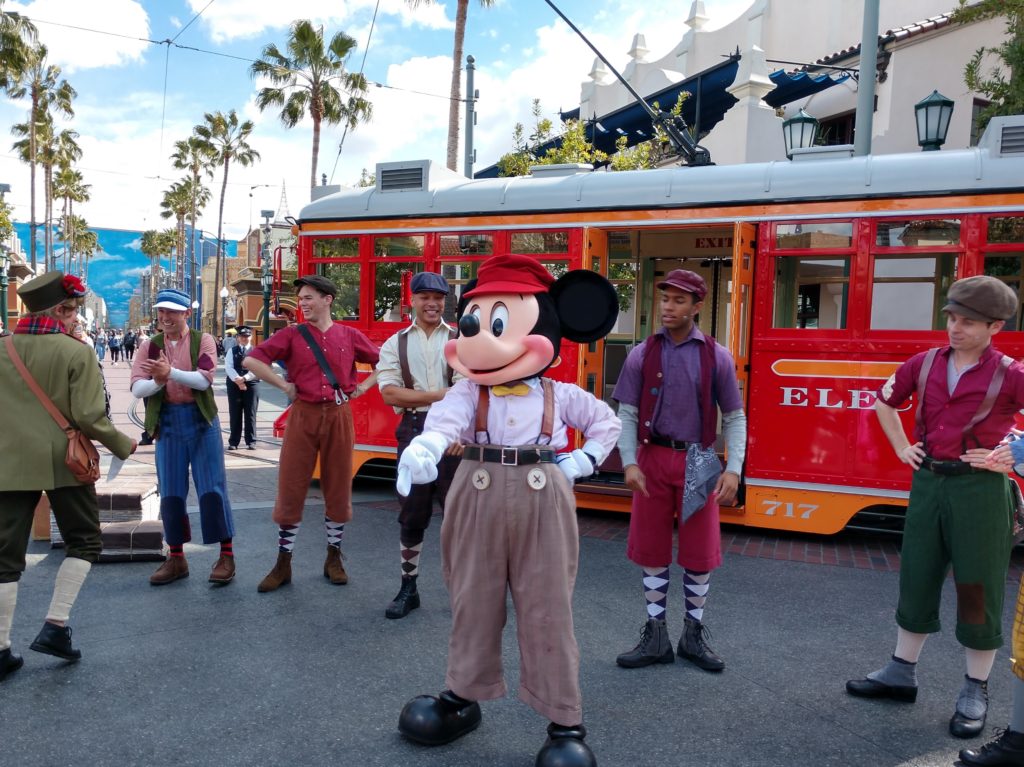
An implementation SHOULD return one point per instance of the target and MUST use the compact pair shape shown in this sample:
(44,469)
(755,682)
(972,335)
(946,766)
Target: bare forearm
(398,396)
(264,372)
(891,425)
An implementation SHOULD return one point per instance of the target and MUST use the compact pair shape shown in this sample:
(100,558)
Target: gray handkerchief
(702,472)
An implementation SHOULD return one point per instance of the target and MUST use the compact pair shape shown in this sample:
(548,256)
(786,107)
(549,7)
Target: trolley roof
(425,189)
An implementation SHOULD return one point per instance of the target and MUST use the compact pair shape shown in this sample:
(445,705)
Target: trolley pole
(863,123)
(266,278)
(471,97)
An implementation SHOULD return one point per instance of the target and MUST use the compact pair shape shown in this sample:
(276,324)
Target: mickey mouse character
(510,517)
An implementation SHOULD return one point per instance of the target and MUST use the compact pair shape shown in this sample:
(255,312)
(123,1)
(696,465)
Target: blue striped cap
(173,299)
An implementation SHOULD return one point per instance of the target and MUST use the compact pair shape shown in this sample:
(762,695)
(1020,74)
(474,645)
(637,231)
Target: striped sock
(656,591)
(286,538)
(227,548)
(695,591)
(177,551)
(335,532)
(411,558)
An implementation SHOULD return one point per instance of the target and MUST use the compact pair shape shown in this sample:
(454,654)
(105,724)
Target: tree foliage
(1002,85)
(312,80)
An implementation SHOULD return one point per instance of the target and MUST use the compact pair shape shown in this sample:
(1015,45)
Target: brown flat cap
(324,285)
(982,298)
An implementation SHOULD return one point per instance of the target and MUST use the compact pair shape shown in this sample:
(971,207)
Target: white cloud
(136,272)
(103,255)
(126,20)
(122,285)
(234,19)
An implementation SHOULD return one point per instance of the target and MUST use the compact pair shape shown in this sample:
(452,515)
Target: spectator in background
(101,346)
(243,393)
(128,346)
(114,344)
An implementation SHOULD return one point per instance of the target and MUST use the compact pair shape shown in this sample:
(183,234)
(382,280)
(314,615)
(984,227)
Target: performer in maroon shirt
(319,422)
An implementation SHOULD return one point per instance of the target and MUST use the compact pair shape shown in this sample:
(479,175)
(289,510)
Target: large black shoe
(1007,750)
(974,696)
(693,646)
(565,748)
(9,662)
(55,640)
(407,600)
(654,647)
(434,721)
(869,688)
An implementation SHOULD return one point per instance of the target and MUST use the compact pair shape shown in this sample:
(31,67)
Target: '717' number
(788,509)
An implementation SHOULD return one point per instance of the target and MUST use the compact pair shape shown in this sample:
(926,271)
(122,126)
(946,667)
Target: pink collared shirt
(178,354)
(516,420)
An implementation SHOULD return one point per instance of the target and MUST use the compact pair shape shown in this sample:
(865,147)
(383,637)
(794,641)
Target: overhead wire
(366,50)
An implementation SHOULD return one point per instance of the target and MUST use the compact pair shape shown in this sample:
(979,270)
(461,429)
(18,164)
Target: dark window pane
(540,242)
(336,247)
(466,244)
(811,292)
(1006,229)
(398,247)
(346,277)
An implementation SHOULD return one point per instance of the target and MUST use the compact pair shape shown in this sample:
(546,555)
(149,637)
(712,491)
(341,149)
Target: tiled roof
(899,34)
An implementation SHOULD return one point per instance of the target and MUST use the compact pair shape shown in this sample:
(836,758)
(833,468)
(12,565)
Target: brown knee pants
(311,429)
(511,537)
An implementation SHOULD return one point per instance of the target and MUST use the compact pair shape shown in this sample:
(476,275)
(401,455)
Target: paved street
(314,675)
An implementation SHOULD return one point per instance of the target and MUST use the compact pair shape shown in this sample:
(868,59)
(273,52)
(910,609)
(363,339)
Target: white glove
(418,465)
(575,465)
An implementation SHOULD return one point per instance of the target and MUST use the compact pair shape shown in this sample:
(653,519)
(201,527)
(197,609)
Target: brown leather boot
(173,568)
(333,568)
(223,571)
(280,575)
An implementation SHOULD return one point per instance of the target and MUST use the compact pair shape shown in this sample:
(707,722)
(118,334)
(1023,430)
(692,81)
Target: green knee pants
(963,521)
(77,514)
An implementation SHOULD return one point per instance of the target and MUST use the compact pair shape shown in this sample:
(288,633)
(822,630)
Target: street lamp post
(223,310)
(5,262)
(266,278)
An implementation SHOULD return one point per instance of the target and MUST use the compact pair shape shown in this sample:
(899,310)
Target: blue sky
(128,121)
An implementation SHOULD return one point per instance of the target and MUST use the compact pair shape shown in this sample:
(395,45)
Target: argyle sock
(227,548)
(8,598)
(695,592)
(70,578)
(896,673)
(411,543)
(177,550)
(286,538)
(656,591)
(335,532)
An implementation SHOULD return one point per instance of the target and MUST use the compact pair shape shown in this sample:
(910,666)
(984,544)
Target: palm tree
(312,80)
(461,12)
(82,241)
(69,187)
(176,203)
(194,155)
(52,149)
(228,140)
(17,35)
(41,83)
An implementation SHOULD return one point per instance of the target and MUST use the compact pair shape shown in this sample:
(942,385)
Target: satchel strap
(46,402)
(325,366)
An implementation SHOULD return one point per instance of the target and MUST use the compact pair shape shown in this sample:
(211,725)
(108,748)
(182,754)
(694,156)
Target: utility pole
(863,123)
(472,96)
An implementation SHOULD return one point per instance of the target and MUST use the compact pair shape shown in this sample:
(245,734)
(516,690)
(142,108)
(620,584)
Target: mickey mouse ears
(587,305)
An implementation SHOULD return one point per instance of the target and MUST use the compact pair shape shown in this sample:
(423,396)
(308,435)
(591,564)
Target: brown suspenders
(403,359)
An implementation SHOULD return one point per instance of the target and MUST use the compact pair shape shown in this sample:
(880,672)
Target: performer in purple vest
(668,393)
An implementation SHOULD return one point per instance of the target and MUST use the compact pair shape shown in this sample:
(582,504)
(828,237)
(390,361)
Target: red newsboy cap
(512,274)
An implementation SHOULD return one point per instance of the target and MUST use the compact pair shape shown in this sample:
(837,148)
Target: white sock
(69,581)
(979,663)
(8,598)
(909,645)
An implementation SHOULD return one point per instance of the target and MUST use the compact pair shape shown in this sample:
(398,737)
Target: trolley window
(457,273)
(811,292)
(399,247)
(908,292)
(466,245)
(817,235)
(925,233)
(346,277)
(336,247)
(1009,267)
(1005,229)
(387,288)
(528,243)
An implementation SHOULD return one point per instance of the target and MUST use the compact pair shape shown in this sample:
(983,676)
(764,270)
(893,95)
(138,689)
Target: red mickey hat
(511,274)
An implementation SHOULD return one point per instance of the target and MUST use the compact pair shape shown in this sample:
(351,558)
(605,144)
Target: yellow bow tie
(518,388)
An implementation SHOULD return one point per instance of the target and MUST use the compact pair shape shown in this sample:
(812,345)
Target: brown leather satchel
(82,458)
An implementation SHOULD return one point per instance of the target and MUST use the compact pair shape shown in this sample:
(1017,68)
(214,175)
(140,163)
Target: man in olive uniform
(959,512)
(66,370)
